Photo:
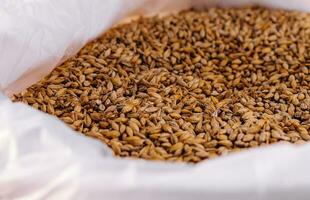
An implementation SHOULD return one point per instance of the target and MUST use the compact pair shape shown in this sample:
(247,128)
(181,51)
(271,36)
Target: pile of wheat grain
(188,86)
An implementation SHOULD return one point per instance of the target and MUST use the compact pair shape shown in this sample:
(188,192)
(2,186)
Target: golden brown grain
(188,86)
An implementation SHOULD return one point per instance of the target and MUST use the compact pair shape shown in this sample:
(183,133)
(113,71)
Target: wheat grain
(187,86)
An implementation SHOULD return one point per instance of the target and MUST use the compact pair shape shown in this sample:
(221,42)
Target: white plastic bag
(41,158)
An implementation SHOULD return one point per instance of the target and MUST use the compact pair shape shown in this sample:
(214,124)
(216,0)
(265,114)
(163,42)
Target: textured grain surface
(189,86)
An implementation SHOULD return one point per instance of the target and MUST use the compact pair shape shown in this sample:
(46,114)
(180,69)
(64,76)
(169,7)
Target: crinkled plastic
(41,158)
